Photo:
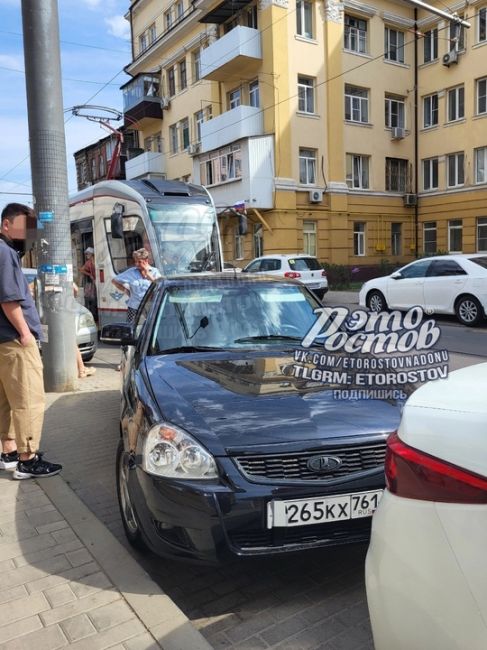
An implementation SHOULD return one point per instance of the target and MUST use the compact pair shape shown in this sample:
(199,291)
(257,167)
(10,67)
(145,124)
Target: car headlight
(172,453)
(86,320)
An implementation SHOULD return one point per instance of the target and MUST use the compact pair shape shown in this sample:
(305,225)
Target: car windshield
(481,261)
(232,316)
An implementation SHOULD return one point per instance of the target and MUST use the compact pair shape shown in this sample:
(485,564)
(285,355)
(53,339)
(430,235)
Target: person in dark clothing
(22,399)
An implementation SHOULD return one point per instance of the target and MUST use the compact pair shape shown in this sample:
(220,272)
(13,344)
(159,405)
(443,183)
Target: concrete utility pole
(50,190)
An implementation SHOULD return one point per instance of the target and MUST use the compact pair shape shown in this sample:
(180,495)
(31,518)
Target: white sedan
(426,568)
(445,284)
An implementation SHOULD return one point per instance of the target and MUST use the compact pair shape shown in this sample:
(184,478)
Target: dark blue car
(225,452)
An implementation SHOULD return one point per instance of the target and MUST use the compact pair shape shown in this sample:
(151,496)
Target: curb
(169,626)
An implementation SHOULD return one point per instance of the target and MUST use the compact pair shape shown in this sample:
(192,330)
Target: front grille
(341,532)
(294,467)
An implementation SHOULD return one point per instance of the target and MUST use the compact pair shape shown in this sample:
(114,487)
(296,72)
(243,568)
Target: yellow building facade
(353,131)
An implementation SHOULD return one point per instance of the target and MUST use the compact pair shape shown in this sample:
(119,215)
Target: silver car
(86,329)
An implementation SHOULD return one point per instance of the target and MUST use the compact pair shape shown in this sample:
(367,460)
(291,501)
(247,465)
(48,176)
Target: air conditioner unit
(194,148)
(398,133)
(410,200)
(315,196)
(450,57)
(165,102)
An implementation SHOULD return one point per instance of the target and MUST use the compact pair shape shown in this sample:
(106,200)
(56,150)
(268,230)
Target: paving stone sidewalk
(67,582)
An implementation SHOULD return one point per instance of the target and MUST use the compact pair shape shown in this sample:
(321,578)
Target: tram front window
(187,237)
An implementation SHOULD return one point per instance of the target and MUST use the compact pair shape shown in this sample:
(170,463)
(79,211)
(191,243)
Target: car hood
(232,401)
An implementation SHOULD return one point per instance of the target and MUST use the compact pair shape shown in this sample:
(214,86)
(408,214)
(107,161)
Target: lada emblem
(323,464)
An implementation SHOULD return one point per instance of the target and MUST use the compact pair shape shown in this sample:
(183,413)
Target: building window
(355,34)
(357,171)
(184,128)
(196,56)
(168,20)
(304,18)
(254,97)
(395,112)
(429,237)
(396,175)
(430,45)
(396,240)
(307,166)
(482,234)
(306,95)
(179,10)
(455,243)
(258,240)
(221,166)
(173,138)
(183,79)
(456,104)
(393,45)
(309,237)
(457,36)
(482,96)
(356,104)
(430,174)
(143,42)
(171,82)
(430,111)
(481,165)
(455,174)
(199,118)
(234,98)
(252,17)
(359,239)
(238,245)
(482,22)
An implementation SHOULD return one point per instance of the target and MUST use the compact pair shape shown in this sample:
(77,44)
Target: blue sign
(46,217)
(57,269)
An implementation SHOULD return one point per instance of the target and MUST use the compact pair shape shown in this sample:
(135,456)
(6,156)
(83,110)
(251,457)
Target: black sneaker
(9,461)
(36,468)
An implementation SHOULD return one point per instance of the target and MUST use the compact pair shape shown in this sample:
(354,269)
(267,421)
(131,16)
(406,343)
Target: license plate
(322,510)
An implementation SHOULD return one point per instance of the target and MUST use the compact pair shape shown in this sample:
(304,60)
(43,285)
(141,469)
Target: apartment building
(353,131)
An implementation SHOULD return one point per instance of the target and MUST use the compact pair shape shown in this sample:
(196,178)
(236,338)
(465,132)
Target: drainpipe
(416,148)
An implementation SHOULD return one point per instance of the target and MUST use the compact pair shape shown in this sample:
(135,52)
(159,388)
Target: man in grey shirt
(22,399)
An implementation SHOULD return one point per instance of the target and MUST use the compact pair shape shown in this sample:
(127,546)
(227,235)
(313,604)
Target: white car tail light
(292,274)
(412,474)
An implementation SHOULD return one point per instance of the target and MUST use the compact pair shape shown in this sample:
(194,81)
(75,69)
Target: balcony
(237,53)
(240,122)
(145,165)
(141,101)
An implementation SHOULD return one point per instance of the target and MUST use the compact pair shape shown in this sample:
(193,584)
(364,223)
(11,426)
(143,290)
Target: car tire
(376,301)
(87,357)
(468,311)
(127,511)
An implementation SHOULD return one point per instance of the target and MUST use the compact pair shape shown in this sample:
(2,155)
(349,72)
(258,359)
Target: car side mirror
(397,275)
(118,334)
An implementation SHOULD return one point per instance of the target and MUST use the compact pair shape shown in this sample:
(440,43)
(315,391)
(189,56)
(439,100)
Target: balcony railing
(239,50)
(240,122)
(145,164)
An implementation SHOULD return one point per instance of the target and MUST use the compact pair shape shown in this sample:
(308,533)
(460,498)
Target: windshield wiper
(269,337)
(189,348)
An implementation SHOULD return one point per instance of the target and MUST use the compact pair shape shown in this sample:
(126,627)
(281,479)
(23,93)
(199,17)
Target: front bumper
(215,522)
(87,341)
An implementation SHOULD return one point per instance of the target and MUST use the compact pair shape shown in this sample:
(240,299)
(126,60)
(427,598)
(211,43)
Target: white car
(305,268)
(445,284)
(426,568)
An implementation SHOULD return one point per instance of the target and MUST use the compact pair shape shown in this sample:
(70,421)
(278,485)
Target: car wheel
(87,357)
(469,311)
(129,518)
(376,301)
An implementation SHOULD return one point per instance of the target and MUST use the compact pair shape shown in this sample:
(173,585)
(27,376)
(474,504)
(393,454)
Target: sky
(95,47)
